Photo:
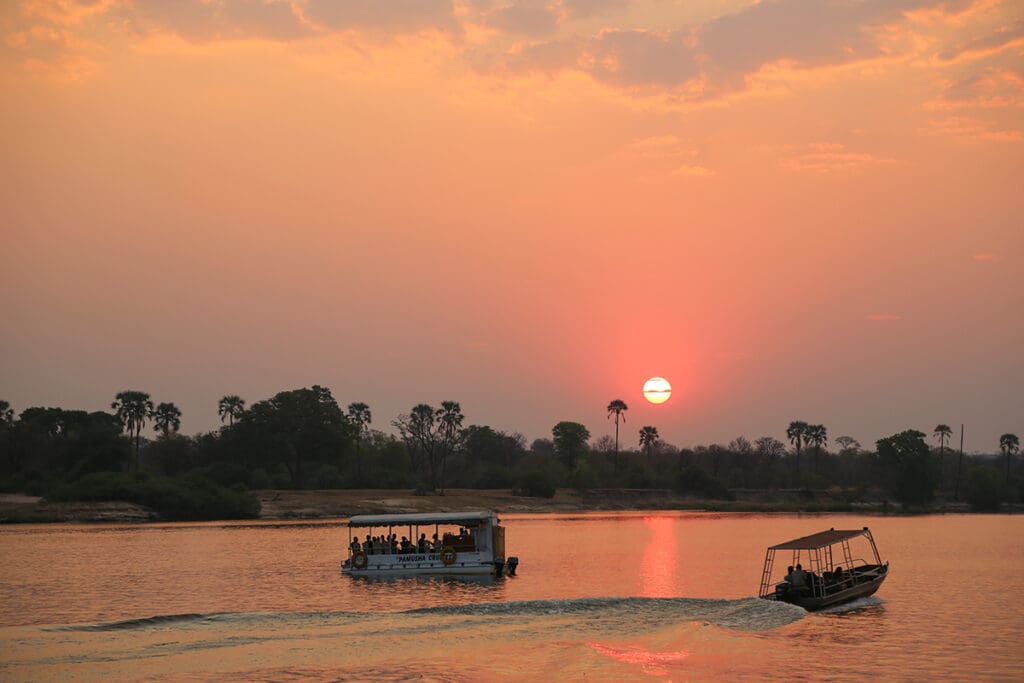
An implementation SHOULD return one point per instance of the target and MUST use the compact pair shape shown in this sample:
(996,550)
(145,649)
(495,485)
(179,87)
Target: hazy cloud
(391,15)
(529,17)
(974,129)
(985,257)
(1001,38)
(640,58)
(200,21)
(995,88)
(827,157)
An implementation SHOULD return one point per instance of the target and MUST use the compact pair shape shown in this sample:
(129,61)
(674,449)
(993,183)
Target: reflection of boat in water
(835,571)
(455,543)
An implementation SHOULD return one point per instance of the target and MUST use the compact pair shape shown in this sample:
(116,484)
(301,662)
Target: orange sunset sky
(791,209)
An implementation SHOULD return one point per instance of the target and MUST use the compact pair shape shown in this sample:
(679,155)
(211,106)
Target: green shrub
(536,484)
(985,490)
(695,480)
(192,497)
(226,473)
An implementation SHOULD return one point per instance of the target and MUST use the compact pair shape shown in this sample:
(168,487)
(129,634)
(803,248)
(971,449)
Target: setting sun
(657,390)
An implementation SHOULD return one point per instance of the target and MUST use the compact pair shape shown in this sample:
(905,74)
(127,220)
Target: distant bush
(327,477)
(192,497)
(984,490)
(226,474)
(32,482)
(695,480)
(536,484)
(493,477)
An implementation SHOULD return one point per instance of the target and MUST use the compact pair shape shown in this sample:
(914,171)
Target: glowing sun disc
(657,390)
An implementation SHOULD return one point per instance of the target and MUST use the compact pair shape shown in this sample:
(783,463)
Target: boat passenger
(355,545)
(798,578)
(406,546)
(423,544)
(368,545)
(837,575)
(437,544)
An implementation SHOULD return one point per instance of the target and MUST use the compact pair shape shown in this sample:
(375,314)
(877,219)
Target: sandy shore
(283,504)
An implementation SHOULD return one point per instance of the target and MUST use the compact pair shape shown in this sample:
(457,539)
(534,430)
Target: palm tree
(817,436)
(230,407)
(617,407)
(133,408)
(648,438)
(166,419)
(1009,444)
(795,433)
(359,415)
(943,432)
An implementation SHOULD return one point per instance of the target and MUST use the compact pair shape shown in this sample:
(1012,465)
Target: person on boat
(798,579)
(437,544)
(423,544)
(837,575)
(368,545)
(355,545)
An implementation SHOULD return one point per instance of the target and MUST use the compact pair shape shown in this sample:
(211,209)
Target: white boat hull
(426,564)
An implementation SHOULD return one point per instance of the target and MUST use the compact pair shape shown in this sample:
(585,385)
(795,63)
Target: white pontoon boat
(431,543)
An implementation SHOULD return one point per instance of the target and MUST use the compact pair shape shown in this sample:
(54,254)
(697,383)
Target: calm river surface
(599,597)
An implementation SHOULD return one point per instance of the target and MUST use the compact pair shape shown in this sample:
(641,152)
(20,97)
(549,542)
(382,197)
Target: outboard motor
(511,565)
(499,566)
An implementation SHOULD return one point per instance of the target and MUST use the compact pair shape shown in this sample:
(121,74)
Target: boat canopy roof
(460,518)
(820,540)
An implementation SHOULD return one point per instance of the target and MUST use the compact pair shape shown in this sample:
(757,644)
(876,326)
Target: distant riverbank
(340,503)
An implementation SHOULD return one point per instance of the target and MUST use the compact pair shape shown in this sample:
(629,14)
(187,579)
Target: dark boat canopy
(821,539)
(459,518)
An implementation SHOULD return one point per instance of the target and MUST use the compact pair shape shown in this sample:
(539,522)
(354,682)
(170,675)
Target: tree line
(302,438)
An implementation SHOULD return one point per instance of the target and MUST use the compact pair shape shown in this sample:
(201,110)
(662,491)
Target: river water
(598,597)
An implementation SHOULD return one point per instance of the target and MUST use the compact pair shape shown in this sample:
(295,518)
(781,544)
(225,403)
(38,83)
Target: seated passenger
(837,575)
(423,544)
(437,544)
(799,578)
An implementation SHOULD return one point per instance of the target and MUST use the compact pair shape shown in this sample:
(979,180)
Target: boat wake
(854,605)
(748,614)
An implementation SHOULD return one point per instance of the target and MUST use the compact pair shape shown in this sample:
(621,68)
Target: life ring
(359,559)
(448,555)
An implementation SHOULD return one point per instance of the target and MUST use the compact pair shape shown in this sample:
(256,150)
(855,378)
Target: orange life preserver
(359,559)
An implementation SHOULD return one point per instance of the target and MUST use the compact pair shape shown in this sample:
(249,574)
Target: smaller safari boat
(824,569)
(466,543)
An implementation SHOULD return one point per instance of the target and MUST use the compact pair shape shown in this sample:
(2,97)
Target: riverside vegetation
(303,439)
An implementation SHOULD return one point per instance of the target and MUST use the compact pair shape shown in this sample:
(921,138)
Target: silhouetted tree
(230,408)
(648,439)
(430,437)
(848,443)
(296,427)
(943,432)
(913,471)
(817,436)
(6,414)
(166,419)
(617,407)
(795,433)
(1008,444)
(570,440)
(133,408)
(360,417)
